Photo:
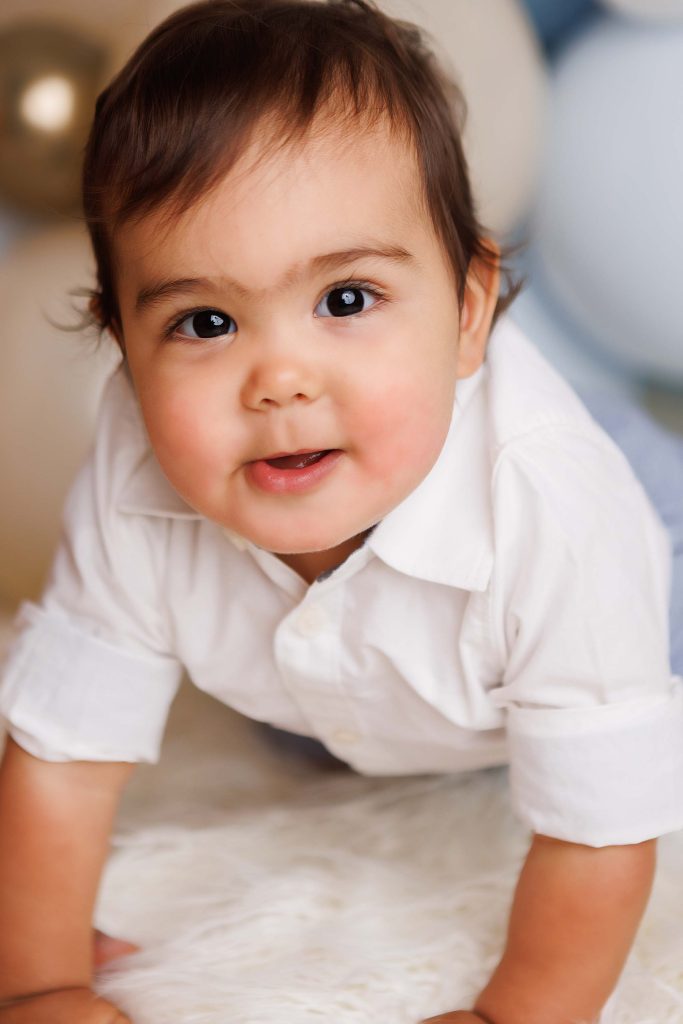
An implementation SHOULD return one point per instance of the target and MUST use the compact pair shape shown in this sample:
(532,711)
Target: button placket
(311,620)
(308,657)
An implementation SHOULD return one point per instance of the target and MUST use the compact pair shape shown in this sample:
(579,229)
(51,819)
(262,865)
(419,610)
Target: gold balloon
(49,78)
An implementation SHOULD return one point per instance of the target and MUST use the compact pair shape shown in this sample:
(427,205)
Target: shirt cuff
(607,775)
(68,695)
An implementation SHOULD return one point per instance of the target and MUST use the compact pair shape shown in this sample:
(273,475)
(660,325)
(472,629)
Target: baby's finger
(63,1006)
(118,1018)
(455,1017)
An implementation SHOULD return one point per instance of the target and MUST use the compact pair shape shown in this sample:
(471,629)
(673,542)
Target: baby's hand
(454,1017)
(64,1006)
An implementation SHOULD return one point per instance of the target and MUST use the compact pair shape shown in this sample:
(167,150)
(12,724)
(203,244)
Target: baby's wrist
(8,1002)
(483,1018)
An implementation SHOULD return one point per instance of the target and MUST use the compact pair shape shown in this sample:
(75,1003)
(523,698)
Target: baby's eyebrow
(153,294)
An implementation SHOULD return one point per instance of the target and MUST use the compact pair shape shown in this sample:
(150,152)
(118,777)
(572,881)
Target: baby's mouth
(299,460)
(292,473)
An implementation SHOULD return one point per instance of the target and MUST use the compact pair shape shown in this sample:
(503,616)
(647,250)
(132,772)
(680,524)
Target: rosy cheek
(402,437)
(175,425)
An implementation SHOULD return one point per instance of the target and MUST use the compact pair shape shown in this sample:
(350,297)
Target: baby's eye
(205,323)
(345,301)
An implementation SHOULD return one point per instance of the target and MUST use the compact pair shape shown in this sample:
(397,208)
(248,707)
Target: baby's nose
(281,382)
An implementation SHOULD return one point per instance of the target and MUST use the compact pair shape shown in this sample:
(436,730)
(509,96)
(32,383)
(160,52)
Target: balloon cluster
(605,261)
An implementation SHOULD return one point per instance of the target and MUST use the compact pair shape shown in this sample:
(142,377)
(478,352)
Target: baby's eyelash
(365,286)
(177,320)
(374,290)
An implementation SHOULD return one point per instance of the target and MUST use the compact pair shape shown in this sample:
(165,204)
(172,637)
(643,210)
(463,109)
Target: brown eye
(345,301)
(206,323)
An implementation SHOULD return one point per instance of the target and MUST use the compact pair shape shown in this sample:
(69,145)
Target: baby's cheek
(404,439)
(181,432)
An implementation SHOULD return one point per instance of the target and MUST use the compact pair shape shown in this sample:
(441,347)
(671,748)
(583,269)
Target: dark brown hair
(177,117)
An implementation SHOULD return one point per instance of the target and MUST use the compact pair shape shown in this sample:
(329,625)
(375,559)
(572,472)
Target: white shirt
(513,608)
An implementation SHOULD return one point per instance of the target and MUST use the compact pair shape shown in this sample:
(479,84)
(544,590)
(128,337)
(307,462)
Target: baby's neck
(310,564)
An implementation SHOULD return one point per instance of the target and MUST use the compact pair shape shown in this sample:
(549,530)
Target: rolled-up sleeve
(69,695)
(90,674)
(580,612)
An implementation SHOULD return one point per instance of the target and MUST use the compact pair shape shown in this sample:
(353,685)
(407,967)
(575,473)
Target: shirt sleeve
(580,610)
(90,674)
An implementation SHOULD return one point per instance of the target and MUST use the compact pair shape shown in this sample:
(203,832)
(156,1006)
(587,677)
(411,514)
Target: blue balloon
(609,220)
(571,350)
(556,19)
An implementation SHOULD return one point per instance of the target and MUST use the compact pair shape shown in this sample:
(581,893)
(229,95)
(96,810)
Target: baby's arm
(574,917)
(55,823)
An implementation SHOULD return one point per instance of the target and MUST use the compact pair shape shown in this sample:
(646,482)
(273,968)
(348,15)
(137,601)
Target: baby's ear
(97,312)
(95,307)
(482,288)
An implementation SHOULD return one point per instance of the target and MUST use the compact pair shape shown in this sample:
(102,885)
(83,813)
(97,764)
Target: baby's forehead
(286,215)
(371,157)
(338,132)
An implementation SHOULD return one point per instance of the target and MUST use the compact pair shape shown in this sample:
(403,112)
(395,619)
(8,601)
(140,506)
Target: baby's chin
(284,534)
(303,540)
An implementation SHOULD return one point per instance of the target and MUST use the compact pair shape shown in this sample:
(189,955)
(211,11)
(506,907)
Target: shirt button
(345,737)
(311,620)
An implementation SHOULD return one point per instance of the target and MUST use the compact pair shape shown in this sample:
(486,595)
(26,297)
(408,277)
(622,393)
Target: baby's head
(289,257)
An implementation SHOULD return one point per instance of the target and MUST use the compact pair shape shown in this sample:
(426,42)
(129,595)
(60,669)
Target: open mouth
(293,472)
(299,460)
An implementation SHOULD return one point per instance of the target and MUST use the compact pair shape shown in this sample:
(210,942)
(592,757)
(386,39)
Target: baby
(333,483)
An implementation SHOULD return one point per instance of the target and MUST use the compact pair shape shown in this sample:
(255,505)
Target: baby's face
(297,381)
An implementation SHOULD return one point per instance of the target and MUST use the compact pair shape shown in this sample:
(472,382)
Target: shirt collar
(145,491)
(442,532)
(148,492)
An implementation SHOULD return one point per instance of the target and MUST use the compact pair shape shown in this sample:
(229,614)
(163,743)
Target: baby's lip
(294,473)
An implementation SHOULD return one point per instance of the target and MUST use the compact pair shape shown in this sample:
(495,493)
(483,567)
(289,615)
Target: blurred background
(575,141)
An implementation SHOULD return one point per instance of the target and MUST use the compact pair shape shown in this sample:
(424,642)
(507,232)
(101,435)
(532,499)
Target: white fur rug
(265,890)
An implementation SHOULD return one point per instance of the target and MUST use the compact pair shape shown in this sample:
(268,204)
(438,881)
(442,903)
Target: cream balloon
(493,53)
(648,10)
(50,386)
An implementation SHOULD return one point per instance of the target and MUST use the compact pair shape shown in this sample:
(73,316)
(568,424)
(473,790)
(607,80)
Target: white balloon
(650,10)
(611,214)
(493,52)
(568,350)
(50,387)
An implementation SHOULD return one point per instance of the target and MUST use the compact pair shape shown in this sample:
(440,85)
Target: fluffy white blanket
(265,890)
